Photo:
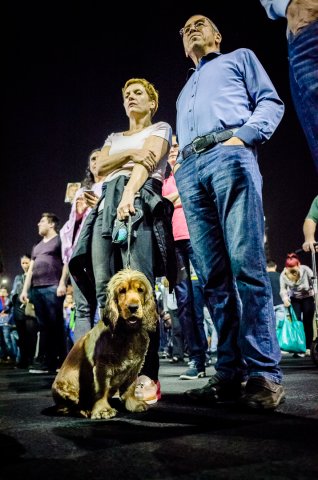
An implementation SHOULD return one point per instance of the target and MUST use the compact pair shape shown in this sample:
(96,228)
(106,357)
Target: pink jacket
(179,224)
(67,231)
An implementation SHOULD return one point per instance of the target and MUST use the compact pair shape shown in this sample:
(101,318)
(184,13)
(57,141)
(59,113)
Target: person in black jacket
(133,163)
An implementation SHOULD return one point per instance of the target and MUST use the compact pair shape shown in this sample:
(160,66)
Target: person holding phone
(85,199)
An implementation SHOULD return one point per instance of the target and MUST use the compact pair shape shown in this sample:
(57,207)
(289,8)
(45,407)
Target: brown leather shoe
(262,394)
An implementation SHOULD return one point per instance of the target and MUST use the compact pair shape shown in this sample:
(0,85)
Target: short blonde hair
(153,94)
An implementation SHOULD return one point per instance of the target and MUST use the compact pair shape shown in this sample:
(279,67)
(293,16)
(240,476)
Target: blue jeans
(189,322)
(220,190)
(107,260)
(85,312)
(198,295)
(303,75)
(49,312)
(6,345)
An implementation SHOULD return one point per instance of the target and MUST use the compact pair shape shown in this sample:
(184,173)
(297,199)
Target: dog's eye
(122,290)
(140,290)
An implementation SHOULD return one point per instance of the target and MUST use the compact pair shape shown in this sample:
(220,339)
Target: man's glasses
(198,25)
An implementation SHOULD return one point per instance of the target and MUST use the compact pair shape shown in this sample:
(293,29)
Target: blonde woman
(133,164)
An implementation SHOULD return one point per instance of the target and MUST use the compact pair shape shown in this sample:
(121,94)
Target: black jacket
(161,209)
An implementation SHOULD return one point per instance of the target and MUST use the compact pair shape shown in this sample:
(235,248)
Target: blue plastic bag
(291,334)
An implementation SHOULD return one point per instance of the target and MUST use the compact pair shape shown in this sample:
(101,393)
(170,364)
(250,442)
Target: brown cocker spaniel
(109,357)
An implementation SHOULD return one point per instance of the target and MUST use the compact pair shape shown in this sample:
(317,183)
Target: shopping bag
(291,334)
(30,310)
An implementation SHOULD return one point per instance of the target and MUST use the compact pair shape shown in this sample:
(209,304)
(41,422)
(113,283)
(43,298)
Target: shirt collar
(207,58)
(203,61)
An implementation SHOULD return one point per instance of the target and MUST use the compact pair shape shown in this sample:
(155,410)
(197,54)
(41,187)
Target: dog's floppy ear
(111,310)
(150,312)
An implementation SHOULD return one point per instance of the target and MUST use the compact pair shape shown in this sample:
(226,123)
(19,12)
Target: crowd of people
(190,200)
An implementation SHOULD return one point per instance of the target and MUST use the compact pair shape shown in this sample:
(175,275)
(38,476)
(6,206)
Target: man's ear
(218,38)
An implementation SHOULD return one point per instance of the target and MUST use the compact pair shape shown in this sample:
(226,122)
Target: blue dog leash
(129,229)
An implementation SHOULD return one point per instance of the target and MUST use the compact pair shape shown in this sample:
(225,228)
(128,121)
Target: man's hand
(234,141)
(61,290)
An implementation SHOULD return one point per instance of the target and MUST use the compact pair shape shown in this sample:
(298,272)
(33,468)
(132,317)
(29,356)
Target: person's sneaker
(193,372)
(262,394)
(208,359)
(298,355)
(175,360)
(216,390)
(39,368)
(147,390)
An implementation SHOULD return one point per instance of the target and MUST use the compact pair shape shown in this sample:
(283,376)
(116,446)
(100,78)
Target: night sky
(63,67)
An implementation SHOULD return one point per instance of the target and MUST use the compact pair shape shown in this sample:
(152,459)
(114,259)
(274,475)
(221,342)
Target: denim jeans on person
(305,309)
(199,305)
(279,314)
(49,312)
(85,312)
(177,339)
(303,75)
(186,306)
(106,262)
(6,345)
(221,195)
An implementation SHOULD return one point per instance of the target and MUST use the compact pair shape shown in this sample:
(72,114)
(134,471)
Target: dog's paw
(103,413)
(134,405)
(84,413)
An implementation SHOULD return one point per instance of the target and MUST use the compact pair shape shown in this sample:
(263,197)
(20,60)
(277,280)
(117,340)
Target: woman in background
(296,289)
(69,233)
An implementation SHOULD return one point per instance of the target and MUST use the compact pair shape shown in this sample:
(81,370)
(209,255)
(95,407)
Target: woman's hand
(287,303)
(91,198)
(81,206)
(126,205)
(145,157)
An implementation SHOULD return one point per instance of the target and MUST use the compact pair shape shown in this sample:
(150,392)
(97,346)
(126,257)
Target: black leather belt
(200,144)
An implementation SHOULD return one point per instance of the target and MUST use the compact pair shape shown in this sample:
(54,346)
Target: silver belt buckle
(199,144)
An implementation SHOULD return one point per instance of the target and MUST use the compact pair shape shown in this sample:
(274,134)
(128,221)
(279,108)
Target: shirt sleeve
(163,130)
(313,211)
(275,8)
(268,107)
(283,288)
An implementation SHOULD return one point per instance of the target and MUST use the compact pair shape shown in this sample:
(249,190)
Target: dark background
(63,67)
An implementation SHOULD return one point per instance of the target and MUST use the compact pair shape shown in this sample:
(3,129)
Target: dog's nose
(133,307)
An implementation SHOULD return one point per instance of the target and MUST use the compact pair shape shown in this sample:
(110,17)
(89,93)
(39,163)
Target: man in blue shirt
(227,107)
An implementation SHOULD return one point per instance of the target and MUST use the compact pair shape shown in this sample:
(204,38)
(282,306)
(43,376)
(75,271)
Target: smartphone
(91,192)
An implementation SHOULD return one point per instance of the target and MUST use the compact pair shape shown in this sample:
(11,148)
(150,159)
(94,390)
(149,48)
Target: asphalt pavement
(174,439)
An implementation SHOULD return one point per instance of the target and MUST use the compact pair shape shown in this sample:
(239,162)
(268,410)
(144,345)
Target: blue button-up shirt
(228,91)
